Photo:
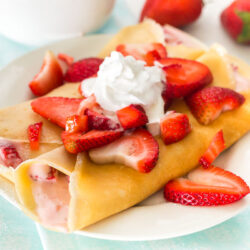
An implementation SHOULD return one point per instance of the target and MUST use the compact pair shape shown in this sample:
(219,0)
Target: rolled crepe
(98,191)
(15,120)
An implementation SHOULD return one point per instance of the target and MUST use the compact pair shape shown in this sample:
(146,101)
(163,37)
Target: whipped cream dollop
(122,81)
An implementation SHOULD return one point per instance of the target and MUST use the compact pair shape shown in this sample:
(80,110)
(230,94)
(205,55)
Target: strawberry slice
(206,187)
(207,104)
(82,69)
(100,122)
(9,155)
(132,116)
(77,123)
(184,76)
(78,142)
(137,149)
(216,146)
(174,127)
(49,77)
(148,52)
(34,134)
(65,58)
(56,109)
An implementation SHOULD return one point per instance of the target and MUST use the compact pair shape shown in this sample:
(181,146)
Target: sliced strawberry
(78,142)
(184,76)
(82,69)
(206,187)
(148,52)
(137,149)
(49,77)
(216,146)
(100,122)
(56,109)
(66,58)
(132,116)
(77,123)
(174,127)
(34,133)
(9,155)
(207,104)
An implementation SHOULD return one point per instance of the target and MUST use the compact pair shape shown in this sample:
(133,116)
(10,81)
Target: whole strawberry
(236,20)
(174,12)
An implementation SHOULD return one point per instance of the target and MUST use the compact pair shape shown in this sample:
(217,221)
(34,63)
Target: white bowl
(35,22)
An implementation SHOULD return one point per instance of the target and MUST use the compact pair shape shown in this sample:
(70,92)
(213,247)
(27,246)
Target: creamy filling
(50,189)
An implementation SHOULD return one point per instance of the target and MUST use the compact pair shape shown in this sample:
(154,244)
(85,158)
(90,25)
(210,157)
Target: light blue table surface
(17,231)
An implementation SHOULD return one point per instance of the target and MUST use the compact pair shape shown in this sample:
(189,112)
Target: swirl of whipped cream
(122,81)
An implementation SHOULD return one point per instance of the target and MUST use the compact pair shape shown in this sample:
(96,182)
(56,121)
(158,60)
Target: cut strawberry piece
(56,109)
(132,116)
(207,104)
(49,77)
(145,52)
(206,187)
(66,58)
(100,122)
(78,142)
(34,133)
(9,155)
(82,69)
(174,127)
(138,150)
(216,146)
(77,123)
(184,76)
(89,103)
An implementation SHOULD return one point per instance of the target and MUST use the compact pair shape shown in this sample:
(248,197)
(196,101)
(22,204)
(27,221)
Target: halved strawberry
(174,127)
(77,123)
(49,77)
(217,145)
(132,116)
(9,155)
(184,76)
(83,69)
(100,122)
(65,58)
(206,187)
(137,149)
(34,133)
(56,109)
(148,52)
(78,142)
(207,104)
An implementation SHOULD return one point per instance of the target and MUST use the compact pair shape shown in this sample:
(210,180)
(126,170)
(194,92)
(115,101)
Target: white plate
(154,218)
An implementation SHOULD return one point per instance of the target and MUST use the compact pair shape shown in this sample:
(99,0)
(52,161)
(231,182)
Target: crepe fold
(15,120)
(99,191)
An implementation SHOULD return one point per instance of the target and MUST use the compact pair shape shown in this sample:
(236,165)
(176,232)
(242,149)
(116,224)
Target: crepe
(15,120)
(99,191)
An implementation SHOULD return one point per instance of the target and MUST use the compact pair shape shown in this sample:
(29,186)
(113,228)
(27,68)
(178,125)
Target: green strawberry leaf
(245,33)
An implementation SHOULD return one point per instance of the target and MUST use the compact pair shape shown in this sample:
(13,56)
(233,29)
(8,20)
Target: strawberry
(132,116)
(184,76)
(56,109)
(77,123)
(216,146)
(207,104)
(89,103)
(206,187)
(34,133)
(49,77)
(65,58)
(99,121)
(78,142)
(173,12)
(9,155)
(137,149)
(236,20)
(82,69)
(148,52)
(174,127)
